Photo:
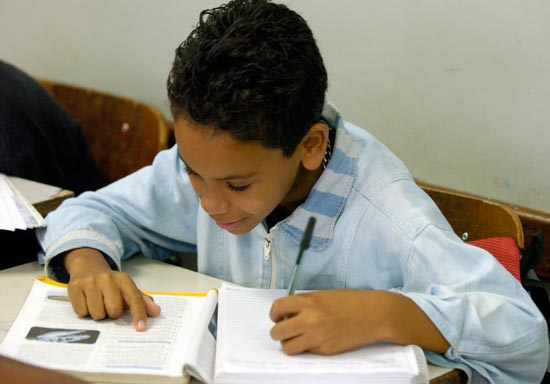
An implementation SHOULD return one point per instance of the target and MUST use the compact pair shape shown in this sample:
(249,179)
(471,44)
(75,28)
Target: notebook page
(244,344)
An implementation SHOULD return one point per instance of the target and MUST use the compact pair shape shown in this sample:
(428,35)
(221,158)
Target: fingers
(291,335)
(78,300)
(136,302)
(287,329)
(152,308)
(291,324)
(108,295)
(87,300)
(286,307)
(298,345)
(94,301)
(113,302)
(301,334)
(139,313)
(324,322)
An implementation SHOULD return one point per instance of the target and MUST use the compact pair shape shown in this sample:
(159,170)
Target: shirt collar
(328,196)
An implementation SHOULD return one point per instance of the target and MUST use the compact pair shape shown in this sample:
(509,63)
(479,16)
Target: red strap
(505,250)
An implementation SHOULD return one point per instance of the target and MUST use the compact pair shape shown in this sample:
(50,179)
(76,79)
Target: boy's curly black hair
(251,68)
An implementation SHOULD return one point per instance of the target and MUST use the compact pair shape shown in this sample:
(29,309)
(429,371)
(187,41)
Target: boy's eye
(236,188)
(189,171)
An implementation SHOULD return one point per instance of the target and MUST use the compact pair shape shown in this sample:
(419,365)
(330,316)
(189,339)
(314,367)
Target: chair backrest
(505,250)
(494,227)
(475,218)
(123,135)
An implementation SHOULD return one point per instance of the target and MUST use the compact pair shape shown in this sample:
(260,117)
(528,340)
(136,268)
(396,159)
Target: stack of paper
(15,210)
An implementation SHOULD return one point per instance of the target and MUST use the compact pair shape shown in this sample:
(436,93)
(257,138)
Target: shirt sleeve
(496,332)
(152,211)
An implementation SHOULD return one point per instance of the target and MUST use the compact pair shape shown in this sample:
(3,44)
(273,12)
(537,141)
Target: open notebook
(246,354)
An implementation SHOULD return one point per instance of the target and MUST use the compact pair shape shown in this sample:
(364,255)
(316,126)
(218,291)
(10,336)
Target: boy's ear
(314,145)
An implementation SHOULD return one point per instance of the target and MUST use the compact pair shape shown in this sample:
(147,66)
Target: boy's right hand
(98,291)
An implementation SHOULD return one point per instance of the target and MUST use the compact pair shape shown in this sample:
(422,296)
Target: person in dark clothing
(38,141)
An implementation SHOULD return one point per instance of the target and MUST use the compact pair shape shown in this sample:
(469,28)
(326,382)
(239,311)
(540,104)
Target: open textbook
(181,343)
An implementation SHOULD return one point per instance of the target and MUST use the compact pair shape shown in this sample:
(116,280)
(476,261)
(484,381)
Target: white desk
(149,275)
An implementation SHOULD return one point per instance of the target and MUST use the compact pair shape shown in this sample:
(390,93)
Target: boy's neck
(305,180)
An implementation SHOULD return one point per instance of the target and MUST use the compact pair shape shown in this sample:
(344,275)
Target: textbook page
(246,352)
(48,333)
(200,363)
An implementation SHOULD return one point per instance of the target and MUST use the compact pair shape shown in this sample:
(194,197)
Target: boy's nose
(214,202)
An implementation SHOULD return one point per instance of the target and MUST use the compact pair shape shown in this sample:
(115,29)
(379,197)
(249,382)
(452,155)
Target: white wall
(459,89)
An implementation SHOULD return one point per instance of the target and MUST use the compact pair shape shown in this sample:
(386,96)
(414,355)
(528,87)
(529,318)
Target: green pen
(304,244)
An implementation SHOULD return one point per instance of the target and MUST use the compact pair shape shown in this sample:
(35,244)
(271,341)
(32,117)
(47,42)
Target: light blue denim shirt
(376,229)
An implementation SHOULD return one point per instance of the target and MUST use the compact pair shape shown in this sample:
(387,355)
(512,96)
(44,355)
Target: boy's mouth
(230,225)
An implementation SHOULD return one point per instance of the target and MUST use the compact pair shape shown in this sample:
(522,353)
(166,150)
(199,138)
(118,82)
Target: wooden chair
(123,135)
(475,218)
(485,222)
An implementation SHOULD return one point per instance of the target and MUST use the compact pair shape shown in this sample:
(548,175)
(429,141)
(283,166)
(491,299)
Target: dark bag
(530,257)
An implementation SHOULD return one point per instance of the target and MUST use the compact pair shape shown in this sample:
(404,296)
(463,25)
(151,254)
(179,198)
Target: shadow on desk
(186,260)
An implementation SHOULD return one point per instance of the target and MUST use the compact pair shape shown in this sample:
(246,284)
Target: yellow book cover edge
(49,281)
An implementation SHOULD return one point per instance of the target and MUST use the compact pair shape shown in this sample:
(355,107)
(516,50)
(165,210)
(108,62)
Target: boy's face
(239,183)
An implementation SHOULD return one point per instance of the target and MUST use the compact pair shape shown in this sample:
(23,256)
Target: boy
(259,151)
